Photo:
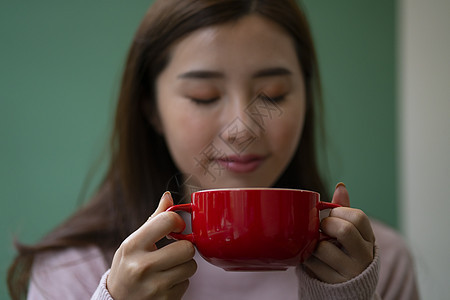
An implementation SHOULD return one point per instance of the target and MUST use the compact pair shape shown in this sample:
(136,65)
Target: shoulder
(397,277)
(71,258)
(72,272)
(388,240)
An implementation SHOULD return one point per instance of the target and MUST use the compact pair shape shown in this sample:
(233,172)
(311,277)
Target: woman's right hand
(142,271)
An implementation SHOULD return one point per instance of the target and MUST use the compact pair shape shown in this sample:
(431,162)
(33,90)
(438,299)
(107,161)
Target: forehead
(252,39)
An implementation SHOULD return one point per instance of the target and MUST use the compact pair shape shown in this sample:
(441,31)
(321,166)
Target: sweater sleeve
(361,287)
(102,293)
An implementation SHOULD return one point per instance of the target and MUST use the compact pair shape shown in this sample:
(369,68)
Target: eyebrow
(278,71)
(201,74)
(205,74)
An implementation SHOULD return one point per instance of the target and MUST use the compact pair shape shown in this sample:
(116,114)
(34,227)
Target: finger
(323,271)
(177,291)
(179,273)
(341,196)
(171,255)
(332,256)
(358,218)
(153,230)
(165,202)
(164,290)
(350,238)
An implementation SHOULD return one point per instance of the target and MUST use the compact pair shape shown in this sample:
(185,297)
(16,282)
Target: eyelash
(212,100)
(274,99)
(204,101)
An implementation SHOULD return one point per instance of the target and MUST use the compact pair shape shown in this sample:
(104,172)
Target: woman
(198,75)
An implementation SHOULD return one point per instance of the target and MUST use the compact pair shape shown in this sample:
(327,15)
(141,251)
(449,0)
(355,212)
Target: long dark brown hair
(140,165)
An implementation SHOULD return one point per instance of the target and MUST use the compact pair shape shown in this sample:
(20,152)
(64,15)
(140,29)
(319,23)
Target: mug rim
(256,188)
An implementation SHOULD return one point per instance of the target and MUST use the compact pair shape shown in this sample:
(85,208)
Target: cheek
(186,134)
(286,132)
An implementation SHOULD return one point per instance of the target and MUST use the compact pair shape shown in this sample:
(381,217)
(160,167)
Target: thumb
(165,202)
(340,195)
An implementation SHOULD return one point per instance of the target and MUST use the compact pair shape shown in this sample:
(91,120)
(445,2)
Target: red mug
(254,229)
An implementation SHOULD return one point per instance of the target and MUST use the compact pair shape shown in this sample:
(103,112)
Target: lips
(242,163)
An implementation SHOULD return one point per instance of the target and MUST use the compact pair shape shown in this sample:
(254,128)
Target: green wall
(356,46)
(60,66)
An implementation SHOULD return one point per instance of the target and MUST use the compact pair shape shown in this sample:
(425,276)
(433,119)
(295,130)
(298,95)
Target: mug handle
(322,206)
(327,205)
(179,236)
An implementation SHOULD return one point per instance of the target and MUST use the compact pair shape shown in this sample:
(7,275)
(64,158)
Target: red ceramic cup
(254,229)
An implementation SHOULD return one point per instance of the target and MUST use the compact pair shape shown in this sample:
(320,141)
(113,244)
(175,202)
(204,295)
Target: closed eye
(279,98)
(203,101)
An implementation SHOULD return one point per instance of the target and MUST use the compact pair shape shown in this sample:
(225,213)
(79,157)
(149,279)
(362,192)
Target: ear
(152,116)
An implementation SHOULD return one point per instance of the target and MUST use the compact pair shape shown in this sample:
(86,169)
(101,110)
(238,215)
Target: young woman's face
(231,103)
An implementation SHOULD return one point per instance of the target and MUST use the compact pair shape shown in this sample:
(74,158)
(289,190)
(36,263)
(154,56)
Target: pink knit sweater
(81,274)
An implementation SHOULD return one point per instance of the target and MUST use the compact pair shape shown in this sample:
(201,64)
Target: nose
(240,129)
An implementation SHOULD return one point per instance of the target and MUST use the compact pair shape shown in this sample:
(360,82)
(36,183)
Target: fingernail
(339,184)
(168,197)
(166,194)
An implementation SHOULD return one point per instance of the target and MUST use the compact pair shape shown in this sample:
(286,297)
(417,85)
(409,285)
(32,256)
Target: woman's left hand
(354,251)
